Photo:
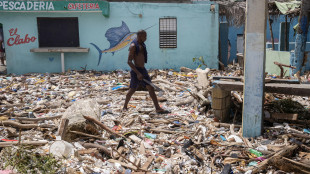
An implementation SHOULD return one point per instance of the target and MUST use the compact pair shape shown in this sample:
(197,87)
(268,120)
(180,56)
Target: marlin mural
(119,38)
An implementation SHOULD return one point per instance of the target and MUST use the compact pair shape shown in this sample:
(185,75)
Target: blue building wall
(197,28)
(232,36)
(234,31)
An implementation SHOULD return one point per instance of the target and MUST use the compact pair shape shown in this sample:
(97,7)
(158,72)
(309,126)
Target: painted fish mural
(119,38)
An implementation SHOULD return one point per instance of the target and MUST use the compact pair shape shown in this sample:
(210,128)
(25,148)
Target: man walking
(136,59)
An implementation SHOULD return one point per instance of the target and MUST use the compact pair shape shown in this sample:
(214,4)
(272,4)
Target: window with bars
(167,32)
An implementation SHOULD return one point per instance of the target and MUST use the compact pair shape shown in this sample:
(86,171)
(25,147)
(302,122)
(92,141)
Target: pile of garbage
(74,123)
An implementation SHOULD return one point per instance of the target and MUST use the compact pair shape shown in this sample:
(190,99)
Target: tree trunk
(301,37)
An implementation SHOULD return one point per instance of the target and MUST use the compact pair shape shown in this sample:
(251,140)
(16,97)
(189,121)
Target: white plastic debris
(62,149)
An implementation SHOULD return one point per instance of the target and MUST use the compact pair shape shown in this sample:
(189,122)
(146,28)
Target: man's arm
(131,56)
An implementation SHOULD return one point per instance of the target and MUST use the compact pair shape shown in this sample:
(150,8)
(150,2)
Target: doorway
(2,48)
(240,43)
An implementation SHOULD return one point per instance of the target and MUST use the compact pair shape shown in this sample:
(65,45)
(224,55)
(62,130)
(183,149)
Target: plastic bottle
(255,152)
(149,135)
(118,87)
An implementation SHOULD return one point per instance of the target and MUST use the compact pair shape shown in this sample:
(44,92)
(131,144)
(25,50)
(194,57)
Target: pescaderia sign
(32,6)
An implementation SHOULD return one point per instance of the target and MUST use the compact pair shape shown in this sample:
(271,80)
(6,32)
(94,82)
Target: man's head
(141,36)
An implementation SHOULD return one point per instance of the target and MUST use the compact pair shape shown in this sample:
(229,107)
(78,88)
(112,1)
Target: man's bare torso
(139,58)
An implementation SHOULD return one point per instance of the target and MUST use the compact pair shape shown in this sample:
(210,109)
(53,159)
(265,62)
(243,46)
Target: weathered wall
(234,31)
(197,27)
(277,56)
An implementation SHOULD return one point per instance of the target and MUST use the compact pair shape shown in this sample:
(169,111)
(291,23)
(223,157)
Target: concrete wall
(277,56)
(197,27)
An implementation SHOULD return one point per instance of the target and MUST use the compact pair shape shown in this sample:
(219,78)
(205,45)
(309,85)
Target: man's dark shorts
(134,82)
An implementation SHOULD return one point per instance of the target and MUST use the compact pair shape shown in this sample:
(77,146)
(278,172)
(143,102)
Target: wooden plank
(281,64)
(147,164)
(37,119)
(34,143)
(123,164)
(24,126)
(87,135)
(60,50)
(98,146)
(63,128)
(284,116)
(227,78)
(284,81)
(263,165)
(229,86)
(289,165)
(305,157)
(289,89)
(269,80)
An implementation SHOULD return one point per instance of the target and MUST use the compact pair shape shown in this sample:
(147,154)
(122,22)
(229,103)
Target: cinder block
(221,103)
(219,93)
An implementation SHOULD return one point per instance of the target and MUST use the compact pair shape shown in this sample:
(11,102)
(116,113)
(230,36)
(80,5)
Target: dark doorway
(2,48)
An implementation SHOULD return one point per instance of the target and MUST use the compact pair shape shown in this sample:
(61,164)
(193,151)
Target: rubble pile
(74,123)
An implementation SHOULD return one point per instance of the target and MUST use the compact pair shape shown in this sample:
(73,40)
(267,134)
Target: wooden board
(284,116)
(60,50)
(147,163)
(266,80)
(288,89)
(123,164)
(305,157)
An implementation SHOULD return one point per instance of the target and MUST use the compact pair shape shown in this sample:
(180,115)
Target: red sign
(83,6)
(16,40)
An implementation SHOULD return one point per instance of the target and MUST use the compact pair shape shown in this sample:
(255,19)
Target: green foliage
(24,160)
(200,60)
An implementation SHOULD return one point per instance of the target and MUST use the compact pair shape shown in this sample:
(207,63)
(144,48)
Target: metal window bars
(168,32)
